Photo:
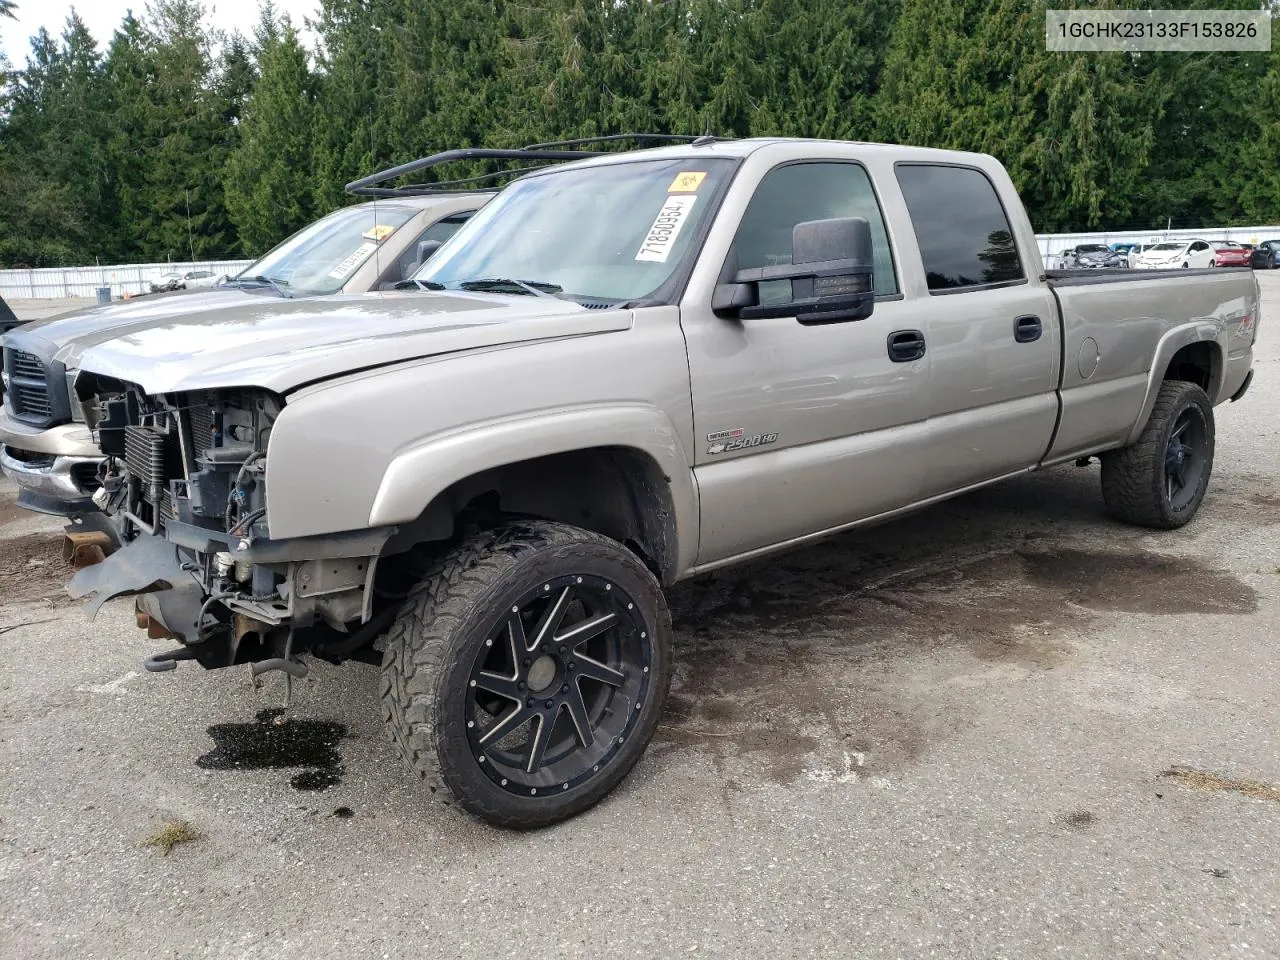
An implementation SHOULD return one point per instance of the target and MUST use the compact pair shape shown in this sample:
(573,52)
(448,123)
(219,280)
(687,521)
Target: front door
(803,428)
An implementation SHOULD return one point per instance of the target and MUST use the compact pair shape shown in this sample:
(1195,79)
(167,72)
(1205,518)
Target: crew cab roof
(740,149)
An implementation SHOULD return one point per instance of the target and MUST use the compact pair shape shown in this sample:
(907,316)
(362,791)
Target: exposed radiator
(200,416)
(144,453)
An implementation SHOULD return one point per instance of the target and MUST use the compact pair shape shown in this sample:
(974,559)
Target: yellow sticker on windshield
(378,233)
(687,182)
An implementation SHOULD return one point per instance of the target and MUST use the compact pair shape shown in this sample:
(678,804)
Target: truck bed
(1110,320)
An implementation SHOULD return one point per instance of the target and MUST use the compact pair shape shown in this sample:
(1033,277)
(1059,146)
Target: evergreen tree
(357,74)
(49,197)
(268,175)
(1075,132)
(128,75)
(1259,157)
(185,215)
(181,141)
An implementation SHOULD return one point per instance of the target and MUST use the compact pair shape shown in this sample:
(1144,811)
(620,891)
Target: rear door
(994,340)
(802,428)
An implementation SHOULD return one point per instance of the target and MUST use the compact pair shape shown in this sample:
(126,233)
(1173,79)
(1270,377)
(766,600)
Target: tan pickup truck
(622,372)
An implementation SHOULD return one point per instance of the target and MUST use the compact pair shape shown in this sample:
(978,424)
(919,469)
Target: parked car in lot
(621,373)
(1172,254)
(1124,251)
(50,454)
(1266,255)
(1227,253)
(183,280)
(1093,256)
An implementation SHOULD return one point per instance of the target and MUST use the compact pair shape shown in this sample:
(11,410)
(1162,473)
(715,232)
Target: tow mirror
(831,274)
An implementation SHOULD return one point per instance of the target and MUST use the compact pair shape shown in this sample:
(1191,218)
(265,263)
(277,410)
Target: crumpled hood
(283,344)
(66,335)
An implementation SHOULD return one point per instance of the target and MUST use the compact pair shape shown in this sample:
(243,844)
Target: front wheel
(527,671)
(1185,266)
(1160,480)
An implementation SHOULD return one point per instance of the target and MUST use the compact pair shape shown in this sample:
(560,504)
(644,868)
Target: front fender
(418,474)
(1197,331)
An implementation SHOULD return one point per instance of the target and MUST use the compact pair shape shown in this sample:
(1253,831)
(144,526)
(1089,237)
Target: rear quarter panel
(1121,331)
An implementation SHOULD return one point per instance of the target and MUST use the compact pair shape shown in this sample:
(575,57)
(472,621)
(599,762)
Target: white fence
(59,282)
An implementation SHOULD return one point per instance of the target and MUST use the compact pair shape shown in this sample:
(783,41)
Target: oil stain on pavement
(275,742)
(831,651)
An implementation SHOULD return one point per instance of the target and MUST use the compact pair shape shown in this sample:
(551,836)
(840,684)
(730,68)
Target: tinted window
(964,236)
(1199,245)
(808,191)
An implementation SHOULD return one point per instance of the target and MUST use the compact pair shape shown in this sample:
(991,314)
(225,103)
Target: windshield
(615,232)
(1167,246)
(1093,248)
(320,258)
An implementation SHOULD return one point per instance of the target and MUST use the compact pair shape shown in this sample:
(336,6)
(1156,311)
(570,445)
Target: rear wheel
(527,671)
(1213,263)
(1160,480)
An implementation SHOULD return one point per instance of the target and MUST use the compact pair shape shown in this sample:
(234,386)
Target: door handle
(905,345)
(1027,329)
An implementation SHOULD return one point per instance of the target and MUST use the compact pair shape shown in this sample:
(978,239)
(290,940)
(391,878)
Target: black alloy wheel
(1186,457)
(559,685)
(527,671)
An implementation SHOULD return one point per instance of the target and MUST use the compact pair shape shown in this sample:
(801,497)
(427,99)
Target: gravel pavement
(1004,727)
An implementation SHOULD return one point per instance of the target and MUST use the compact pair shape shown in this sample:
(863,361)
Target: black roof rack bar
(553,152)
(445,186)
(361,186)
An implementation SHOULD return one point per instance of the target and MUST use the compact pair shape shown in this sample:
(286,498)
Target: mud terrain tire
(499,590)
(1160,480)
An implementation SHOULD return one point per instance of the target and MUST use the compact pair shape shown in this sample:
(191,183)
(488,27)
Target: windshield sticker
(378,233)
(687,182)
(666,227)
(357,257)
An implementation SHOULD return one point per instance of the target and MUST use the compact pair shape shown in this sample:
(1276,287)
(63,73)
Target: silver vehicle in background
(45,447)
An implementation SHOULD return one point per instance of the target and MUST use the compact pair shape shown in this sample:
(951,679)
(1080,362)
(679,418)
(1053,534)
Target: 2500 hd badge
(726,441)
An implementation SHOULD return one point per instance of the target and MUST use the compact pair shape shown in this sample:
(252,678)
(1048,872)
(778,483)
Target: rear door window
(961,227)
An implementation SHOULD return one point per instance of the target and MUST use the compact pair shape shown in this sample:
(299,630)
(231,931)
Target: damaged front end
(185,489)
